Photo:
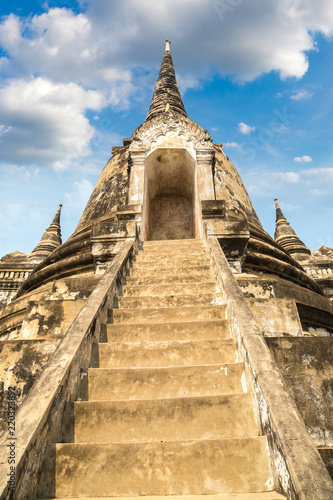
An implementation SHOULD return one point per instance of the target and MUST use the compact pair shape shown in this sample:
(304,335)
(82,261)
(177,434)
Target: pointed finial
(279,214)
(50,240)
(286,236)
(166,93)
(56,219)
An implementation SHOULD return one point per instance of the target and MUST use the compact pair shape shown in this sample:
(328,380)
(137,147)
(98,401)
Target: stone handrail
(39,419)
(299,471)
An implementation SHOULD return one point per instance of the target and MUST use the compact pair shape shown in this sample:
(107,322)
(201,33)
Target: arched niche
(170,208)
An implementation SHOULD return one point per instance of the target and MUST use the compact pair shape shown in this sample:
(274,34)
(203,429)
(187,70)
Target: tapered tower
(286,236)
(166,93)
(50,240)
(170,346)
(17,266)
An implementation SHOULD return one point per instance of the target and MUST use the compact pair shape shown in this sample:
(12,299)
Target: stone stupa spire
(286,236)
(166,93)
(50,240)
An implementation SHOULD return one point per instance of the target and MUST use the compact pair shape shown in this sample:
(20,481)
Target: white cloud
(63,46)
(256,36)
(230,144)
(315,181)
(303,159)
(4,129)
(319,173)
(10,32)
(16,212)
(109,55)
(45,122)
(262,183)
(235,42)
(319,192)
(20,223)
(245,129)
(292,177)
(185,83)
(300,95)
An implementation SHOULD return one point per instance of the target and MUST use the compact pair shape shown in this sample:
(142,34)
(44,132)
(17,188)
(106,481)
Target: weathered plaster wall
(276,316)
(6,296)
(21,362)
(306,364)
(273,302)
(30,330)
(110,190)
(171,218)
(229,187)
(302,320)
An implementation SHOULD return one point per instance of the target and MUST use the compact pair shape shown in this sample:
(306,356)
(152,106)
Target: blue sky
(77,77)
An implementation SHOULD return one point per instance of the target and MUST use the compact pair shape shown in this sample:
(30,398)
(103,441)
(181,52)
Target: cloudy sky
(77,77)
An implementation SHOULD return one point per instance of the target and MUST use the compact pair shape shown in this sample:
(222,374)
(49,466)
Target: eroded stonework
(179,131)
(195,313)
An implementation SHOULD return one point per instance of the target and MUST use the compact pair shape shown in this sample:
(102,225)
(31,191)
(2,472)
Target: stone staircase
(168,411)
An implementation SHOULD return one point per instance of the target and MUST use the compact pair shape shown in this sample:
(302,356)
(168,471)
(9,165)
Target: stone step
(168,280)
(194,248)
(167,253)
(204,299)
(170,468)
(168,290)
(166,315)
(106,384)
(202,270)
(189,330)
(173,243)
(266,495)
(181,254)
(171,261)
(166,353)
(177,419)
(148,256)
